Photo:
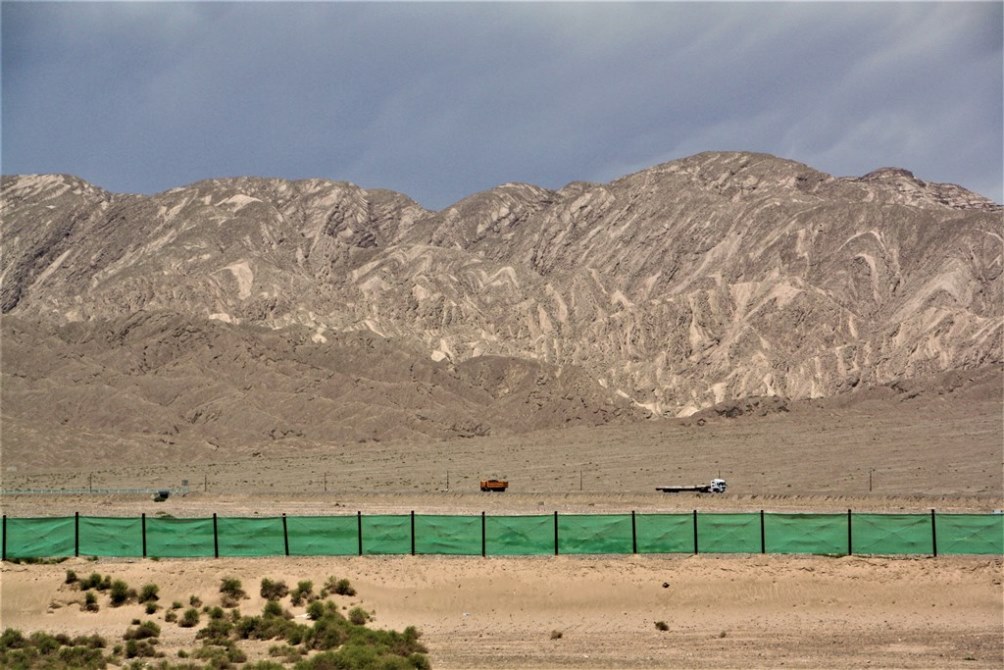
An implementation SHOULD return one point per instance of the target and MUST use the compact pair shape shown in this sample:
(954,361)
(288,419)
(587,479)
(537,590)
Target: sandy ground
(723,612)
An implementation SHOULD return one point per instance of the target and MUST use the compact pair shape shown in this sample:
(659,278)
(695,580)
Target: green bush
(315,610)
(272,608)
(118,593)
(231,591)
(273,590)
(90,602)
(190,618)
(217,631)
(359,616)
(12,638)
(304,592)
(71,577)
(344,588)
(148,593)
(145,630)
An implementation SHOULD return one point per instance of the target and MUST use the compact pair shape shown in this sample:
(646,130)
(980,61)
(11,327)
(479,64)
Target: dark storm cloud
(442,100)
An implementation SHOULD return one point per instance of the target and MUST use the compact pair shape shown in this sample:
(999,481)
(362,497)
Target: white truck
(716,486)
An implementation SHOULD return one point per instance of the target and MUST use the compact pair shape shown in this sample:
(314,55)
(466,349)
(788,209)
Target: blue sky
(439,101)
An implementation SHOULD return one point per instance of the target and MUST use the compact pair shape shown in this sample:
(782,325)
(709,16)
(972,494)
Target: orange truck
(499,485)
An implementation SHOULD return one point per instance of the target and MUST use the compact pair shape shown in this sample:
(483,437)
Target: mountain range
(243,311)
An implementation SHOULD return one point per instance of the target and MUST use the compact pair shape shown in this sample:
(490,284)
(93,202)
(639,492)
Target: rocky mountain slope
(715,277)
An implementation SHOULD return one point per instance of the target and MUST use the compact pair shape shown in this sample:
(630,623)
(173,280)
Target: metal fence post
(4,537)
(695,532)
(555,532)
(216,538)
(484,542)
(412,532)
(76,533)
(934,535)
(850,536)
(634,534)
(143,531)
(285,534)
(359,530)
(763,535)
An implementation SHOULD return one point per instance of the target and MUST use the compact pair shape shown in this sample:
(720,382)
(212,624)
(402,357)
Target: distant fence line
(92,491)
(761,532)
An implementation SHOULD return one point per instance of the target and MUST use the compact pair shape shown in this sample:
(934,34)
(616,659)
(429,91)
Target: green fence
(482,535)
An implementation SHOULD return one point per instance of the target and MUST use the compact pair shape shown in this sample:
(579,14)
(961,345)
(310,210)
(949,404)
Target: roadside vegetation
(328,640)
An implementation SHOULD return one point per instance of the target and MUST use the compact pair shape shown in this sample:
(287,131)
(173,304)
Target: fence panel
(722,533)
(111,536)
(251,537)
(323,535)
(891,533)
(387,534)
(179,538)
(783,533)
(519,535)
(806,534)
(665,533)
(970,533)
(451,535)
(594,534)
(37,537)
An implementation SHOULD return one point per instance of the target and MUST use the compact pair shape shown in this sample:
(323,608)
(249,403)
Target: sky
(442,100)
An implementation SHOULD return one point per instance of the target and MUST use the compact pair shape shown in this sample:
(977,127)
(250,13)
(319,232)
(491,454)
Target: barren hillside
(241,311)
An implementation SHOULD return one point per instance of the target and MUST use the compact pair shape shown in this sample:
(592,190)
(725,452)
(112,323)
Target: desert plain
(938,449)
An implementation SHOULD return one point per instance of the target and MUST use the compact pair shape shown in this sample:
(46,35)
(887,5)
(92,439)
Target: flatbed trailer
(715,486)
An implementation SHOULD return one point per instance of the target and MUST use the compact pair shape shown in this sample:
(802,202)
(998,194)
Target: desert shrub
(264,665)
(216,612)
(176,605)
(148,593)
(272,608)
(273,590)
(190,618)
(170,616)
(71,577)
(232,591)
(118,593)
(11,638)
(93,641)
(93,581)
(315,610)
(151,608)
(556,634)
(303,591)
(43,651)
(359,616)
(357,656)
(90,602)
(217,631)
(344,588)
(329,632)
(140,648)
(194,601)
(661,625)
(145,630)
(288,653)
